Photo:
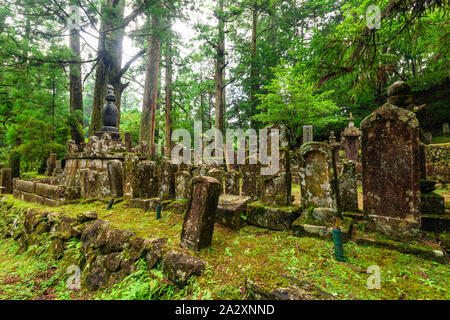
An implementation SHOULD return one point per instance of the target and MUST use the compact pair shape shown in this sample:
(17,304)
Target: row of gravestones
(391,177)
(165,180)
(390,169)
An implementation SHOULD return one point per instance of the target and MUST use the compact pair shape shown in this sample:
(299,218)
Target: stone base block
(432,203)
(272,218)
(395,228)
(230,210)
(138,203)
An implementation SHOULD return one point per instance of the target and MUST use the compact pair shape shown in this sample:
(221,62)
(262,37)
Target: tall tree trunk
(76,90)
(253,67)
(148,118)
(219,104)
(110,60)
(168,100)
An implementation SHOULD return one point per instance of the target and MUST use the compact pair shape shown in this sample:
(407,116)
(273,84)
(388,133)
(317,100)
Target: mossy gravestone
(390,162)
(318,180)
(200,214)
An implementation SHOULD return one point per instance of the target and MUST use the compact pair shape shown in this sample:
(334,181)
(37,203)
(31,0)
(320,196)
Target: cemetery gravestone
(318,180)
(307,134)
(200,214)
(391,167)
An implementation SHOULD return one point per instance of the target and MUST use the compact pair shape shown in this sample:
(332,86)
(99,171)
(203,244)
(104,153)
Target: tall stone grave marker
(308,134)
(391,166)
(347,186)
(318,180)
(351,140)
(200,214)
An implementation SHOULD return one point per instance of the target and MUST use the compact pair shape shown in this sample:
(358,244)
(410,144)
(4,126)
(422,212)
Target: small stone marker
(347,186)
(428,137)
(166,179)
(6,180)
(232,182)
(445,129)
(130,176)
(251,181)
(391,167)
(351,140)
(128,144)
(115,177)
(182,185)
(200,214)
(308,134)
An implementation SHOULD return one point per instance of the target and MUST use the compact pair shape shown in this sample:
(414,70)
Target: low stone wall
(106,254)
(38,191)
(438,162)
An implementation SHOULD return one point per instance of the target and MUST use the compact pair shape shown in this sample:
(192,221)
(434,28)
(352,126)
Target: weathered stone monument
(182,185)
(308,134)
(347,186)
(232,185)
(6,180)
(51,164)
(128,144)
(251,182)
(166,179)
(390,160)
(131,176)
(445,129)
(335,145)
(200,214)
(115,177)
(318,181)
(350,139)
(110,112)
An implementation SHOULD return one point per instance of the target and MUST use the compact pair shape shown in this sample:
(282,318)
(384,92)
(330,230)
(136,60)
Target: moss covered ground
(258,254)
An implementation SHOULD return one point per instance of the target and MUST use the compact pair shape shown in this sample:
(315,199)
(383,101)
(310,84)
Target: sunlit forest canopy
(228,64)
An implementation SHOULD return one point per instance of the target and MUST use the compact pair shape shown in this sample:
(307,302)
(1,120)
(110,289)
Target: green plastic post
(158,211)
(338,249)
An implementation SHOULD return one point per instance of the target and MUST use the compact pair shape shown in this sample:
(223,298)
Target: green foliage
(141,285)
(292,102)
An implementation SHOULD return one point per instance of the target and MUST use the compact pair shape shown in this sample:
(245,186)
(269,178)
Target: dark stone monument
(6,180)
(200,214)
(391,166)
(110,112)
(128,144)
(347,186)
(115,177)
(351,140)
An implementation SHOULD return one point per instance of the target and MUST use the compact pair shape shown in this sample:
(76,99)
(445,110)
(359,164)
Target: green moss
(264,255)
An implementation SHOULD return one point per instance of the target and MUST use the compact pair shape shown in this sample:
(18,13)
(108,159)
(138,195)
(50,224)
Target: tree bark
(168,100)
(76,90)
(110,60)
(148,118)
(219,104)
(253,67)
